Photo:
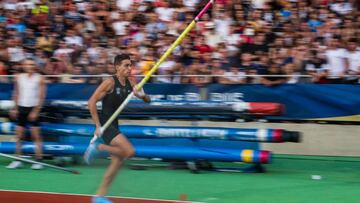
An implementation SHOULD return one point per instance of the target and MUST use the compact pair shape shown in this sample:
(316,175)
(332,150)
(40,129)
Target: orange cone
(183,197)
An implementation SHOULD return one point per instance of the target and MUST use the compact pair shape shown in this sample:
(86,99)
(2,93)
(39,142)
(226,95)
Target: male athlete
(112,92)
(29,95)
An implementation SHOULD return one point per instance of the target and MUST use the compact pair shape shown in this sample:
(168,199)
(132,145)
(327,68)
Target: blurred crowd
(237,41)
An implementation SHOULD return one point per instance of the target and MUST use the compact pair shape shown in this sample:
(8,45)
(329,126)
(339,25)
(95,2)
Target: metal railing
(157,76)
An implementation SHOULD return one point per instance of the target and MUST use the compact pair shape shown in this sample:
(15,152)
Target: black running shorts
(23,114)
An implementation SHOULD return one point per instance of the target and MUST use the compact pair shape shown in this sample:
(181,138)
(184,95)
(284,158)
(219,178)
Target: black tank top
(114,99)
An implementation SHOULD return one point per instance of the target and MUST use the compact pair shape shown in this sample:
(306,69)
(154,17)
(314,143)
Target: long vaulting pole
(154,68)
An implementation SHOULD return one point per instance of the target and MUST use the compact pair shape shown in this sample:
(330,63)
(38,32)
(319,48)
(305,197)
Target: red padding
(265,157)
(277,135)
(266,108)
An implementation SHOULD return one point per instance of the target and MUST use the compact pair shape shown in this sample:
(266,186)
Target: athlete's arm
(104,88)
(42,95)
(15,95)
(16,91)
(140,93)
(42,92)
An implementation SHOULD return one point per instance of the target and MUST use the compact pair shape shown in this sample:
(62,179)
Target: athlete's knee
(130,152)
(36,137)
(20,130)
(35,134)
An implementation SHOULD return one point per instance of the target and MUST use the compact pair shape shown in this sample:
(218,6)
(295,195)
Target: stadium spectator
(212,38)
(317,68)
(234,76)
(166,68)
(16,52)
(353,62)
(88,31)
(336,61)
(274,73)
(73,77)
(45,42)
(29,41)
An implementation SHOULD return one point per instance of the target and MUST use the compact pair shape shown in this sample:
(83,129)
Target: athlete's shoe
(100,199)
(15,165)
(37,167)
(92,151)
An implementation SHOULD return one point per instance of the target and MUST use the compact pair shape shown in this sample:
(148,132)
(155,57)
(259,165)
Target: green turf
(288,179)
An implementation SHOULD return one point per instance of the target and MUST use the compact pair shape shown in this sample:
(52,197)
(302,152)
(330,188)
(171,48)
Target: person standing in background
(29,94)
(336,61)
(353,62)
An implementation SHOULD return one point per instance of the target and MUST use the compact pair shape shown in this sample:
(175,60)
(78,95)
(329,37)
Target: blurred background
(316,39)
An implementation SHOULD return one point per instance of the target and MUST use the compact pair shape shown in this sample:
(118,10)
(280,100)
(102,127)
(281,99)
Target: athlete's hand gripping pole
(153,69)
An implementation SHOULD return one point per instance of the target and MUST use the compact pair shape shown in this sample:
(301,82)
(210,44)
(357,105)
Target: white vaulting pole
(41,163)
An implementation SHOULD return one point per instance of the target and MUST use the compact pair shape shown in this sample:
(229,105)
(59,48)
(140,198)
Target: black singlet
(110,103)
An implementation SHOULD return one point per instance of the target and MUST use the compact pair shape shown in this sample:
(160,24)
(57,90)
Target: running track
(10,196)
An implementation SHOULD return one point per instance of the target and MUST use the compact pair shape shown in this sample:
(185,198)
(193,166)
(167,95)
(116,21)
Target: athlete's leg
(35,133)
(20,130)
(109,175)
(120,148)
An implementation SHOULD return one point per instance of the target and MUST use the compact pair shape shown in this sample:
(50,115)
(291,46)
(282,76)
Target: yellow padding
(247,155)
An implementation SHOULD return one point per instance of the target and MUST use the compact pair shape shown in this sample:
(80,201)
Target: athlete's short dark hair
(120,57)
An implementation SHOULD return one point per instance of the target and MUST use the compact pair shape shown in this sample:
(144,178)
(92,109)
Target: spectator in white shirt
(63,49)
(94,50)
(124,5)
(341,7)
(234,76)
(336,61)
(120,25)
(165,12)
(353,61)
(212,38)
(72,39)
(23,5)
(166,68)
(155,26)
(223,22)
(190,4)
(9,5)
(16,52)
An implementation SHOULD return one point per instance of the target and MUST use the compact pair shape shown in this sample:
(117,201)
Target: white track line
(57,193)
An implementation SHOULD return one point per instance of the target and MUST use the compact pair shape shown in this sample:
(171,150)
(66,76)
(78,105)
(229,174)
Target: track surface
(41,197)
(288,179)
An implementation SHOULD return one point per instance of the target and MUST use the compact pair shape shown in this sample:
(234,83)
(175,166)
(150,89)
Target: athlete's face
(124,68)
(29,66)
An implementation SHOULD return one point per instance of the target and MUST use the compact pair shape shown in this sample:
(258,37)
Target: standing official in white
(29,94)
